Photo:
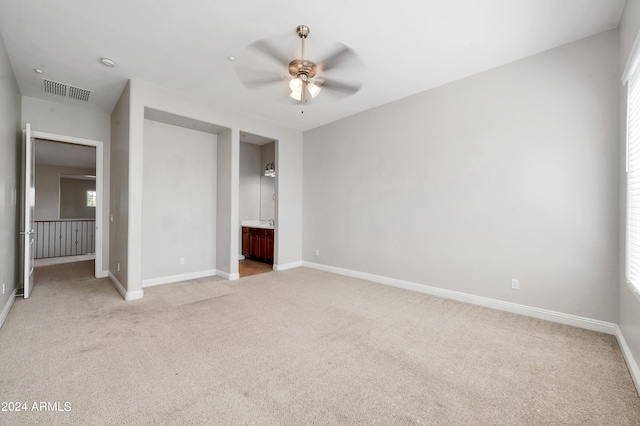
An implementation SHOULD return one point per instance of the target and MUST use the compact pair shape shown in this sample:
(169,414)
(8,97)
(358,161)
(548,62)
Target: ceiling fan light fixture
(296,95)
(296,85)
(313,89)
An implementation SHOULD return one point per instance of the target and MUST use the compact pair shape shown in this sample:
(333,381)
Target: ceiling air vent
(79,94)
(54,87)
(65,90)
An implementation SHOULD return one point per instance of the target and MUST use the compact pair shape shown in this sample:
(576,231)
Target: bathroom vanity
(257,242)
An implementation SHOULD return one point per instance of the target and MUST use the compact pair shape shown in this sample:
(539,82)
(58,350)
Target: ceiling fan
(306,78)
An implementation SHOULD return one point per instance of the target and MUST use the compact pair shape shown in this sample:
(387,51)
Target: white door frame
(99,273)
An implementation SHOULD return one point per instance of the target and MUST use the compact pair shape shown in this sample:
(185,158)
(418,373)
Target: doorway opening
(257,213)
(67,216)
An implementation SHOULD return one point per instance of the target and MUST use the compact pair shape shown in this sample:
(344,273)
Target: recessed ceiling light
(38,71)
(231,58)
(108,62)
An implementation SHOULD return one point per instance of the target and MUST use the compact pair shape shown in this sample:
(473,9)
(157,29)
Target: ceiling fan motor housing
(302,67)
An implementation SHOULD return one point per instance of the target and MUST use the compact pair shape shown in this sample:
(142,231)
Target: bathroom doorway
(257,201)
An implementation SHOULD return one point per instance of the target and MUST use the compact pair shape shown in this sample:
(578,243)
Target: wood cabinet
(257,244)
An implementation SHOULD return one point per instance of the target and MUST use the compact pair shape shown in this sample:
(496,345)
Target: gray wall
(249,200)
(48,189)
(10,136)
(119,190)
(178,201)
(511,173)
(289,176)
(256,190)
(249,186)
(629,303)
(267,183)
(228,178)
(73,198)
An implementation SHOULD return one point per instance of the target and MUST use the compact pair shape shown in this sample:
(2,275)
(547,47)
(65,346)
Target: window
(91,198)
(632,79)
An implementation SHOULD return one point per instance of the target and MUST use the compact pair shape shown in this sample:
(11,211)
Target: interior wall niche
(77,197)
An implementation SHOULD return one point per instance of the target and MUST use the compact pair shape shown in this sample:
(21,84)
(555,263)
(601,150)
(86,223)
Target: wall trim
(7,306)
(104,274)
(126,295)
(634,370)
(177,278)
(530,311)
(227,276)
(285,266)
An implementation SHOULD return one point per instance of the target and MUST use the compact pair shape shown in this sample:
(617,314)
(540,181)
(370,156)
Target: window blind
(633,180)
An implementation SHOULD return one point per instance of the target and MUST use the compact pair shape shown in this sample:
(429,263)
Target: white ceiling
(407,46)
(51,153)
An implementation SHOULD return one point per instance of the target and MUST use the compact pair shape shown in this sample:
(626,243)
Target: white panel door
(28,204)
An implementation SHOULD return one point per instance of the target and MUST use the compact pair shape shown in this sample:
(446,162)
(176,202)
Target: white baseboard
(126,295)
(285,266)
(118,286)
(241,257)
(177,278)
(545,314)
(134,295)
(634,370)
(103,274)
(227,276)
(7,307)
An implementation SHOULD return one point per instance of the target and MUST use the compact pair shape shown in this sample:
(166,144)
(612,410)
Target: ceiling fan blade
(337,57)
(258,83)
(270,51)
(346,88)
(254,78)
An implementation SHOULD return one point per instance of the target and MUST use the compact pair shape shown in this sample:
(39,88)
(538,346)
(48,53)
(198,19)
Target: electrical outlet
(182,260)
(2,288)
(118,267)
(515,284)
(317,252)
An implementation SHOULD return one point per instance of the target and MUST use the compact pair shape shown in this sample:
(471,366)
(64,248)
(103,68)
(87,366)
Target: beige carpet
(297,347)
